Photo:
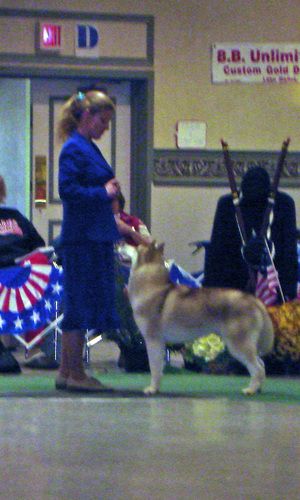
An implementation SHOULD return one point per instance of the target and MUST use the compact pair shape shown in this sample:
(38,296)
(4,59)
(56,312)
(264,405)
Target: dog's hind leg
(156,356)
(247,355)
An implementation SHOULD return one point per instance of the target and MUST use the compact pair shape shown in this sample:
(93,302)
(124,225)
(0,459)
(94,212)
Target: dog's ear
(134,258)
(160,248)
(142,252)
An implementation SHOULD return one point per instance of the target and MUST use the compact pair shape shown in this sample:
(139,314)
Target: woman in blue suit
(86,187)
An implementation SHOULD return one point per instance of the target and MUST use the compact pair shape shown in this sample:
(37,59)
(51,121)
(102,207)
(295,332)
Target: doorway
(47,97)
(128,146)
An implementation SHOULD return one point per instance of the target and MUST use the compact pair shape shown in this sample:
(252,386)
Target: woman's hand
(139,238)
(112,187)
(127,230)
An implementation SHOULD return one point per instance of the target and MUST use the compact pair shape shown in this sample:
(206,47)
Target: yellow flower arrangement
(207,347)
(286,322)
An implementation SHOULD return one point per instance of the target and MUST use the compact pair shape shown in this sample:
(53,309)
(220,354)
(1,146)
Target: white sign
(190,134)
(86,41)
(255,63)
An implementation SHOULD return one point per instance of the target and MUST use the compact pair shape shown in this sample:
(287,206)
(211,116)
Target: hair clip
(80,96)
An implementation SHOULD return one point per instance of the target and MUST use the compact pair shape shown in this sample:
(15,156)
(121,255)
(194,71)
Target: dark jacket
(224,264)
(83,171)
(18,236)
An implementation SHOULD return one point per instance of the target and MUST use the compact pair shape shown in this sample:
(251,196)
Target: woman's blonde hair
(3,192)
(93,100)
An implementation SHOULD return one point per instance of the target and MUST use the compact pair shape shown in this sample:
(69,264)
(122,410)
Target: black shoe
(8,363)
(41,362)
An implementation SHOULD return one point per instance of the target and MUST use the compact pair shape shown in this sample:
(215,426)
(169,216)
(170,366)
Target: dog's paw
(150,390)
(250,392)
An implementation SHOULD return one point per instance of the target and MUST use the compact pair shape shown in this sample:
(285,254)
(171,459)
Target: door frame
(142,105)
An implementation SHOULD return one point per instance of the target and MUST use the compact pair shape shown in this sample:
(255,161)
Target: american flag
(28,294)
(266,285)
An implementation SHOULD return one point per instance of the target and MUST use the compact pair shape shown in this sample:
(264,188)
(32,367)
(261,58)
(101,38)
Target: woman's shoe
(88,384)
(60,382)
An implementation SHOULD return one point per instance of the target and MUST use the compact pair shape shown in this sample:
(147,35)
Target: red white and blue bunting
(29,294)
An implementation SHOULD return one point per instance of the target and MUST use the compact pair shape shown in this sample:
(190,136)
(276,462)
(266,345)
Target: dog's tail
(266,338)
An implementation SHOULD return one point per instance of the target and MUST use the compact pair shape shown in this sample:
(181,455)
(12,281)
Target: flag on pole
(266,285)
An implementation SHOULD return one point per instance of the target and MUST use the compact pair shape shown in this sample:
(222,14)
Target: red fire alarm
(50,37)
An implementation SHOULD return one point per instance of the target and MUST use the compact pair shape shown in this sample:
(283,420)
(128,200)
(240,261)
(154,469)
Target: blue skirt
(89,287)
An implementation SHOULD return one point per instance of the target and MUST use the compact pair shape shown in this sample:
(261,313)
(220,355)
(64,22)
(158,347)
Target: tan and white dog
(165,312)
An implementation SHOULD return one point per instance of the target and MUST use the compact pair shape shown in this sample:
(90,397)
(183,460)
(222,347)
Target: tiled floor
(147,448)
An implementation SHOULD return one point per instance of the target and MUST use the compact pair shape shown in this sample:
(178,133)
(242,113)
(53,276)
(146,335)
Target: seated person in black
(17,238)
(224,263)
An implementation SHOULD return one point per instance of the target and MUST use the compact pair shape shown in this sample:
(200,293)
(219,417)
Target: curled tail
(266,338)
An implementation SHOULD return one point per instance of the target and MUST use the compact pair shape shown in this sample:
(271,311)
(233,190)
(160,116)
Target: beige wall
(252,116)
(247,116)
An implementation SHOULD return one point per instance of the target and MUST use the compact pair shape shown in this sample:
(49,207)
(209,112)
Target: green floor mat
(175,383)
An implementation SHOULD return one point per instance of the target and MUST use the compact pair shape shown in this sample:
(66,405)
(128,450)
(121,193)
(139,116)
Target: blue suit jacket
(87,211)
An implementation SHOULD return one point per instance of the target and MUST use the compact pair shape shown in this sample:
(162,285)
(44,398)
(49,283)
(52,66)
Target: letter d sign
(87,38)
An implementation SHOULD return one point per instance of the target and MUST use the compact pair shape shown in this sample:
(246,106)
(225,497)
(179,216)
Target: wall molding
(173,167)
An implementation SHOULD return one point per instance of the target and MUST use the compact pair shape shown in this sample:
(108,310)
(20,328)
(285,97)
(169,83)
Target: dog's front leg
(156,355)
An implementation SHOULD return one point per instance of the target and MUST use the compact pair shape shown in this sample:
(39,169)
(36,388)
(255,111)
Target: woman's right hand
(112,187)
(127,230)
(139,239)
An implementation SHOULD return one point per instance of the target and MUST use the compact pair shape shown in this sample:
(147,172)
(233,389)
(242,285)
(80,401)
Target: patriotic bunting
(29,293)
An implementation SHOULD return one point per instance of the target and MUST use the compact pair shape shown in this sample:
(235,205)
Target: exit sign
(50,36)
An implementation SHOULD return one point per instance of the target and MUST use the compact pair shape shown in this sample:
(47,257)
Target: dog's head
(149,254)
